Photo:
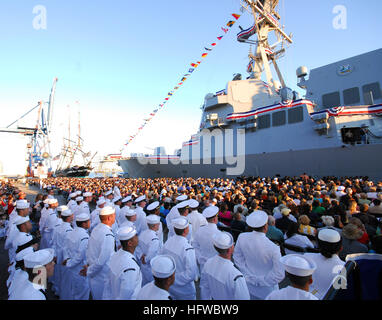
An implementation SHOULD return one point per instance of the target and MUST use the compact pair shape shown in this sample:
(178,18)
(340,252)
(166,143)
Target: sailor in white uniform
(124,280)
(109,198)
(100,248)
(195,218)
(183,210)
(125,203)
(41,260)
(94,216)
(116,191)
(43,216)
(77,209)
(20,276)
(117,201)
(299,270)
(329,265)
(163,269)
(148,247)
(203,241)
(140,224)
(62,234)
(72,202)
(50,223)
(154,208)
(219,279)
(258,258)
(22,209)
(173,214)
(84,206)
(77,247)
(184,255)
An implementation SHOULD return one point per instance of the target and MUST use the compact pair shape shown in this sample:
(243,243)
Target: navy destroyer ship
(257,128)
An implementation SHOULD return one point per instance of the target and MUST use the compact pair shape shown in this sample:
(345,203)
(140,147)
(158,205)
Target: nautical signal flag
(204,55)
(214,44)
(225,30)
(180,83)
(236,16)
(191,70)
(208,49)
(221,37)
(194,65)
(183,79)
(230,23)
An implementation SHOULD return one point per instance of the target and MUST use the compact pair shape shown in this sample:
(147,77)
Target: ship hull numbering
(342,161)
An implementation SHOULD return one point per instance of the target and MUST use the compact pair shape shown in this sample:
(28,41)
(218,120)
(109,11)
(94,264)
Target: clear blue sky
(119,58)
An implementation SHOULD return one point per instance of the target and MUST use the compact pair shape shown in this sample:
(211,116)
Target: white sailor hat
(22,204)
(152,219)
(105,211)
(87,194)
(210,212)
(329,235)
(20,220)
(83,216)
(107,193)
(153,206)
(73,195)
(38,258)
(127,199)
(45,201)
(139,199)
(129,212)
(62,208)
(257,219)
(223,240)
(52,201)
(298,265)
(20,256)
(182,197)
(100,201)
(341,188)
(180,223)
(163,266)
(183,204)
(116,199)
(66,213)
(285,211)
(193,203)
(78,192)
(79,198)
(126,233)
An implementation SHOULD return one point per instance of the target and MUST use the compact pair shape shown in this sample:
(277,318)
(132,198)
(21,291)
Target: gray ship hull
(357,160)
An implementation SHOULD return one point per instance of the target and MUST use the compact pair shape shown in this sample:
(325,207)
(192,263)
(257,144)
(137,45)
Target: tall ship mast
(258,126)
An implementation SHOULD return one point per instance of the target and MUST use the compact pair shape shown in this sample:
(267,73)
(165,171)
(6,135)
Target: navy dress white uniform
(327,268)
(149,245)
(195,218)
(125,278)
(12,238)
(94,216)
(29,290)
(173,214)
(100,248)
(20,276)
(258,258)
(128,202)
(184,255)
(297,265)
(72,202)
(203,240)
(219,279)
(77,246)
(61,233)
(162,267)
(141,216)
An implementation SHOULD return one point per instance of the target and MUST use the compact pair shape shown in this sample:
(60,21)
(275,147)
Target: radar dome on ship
(302,72)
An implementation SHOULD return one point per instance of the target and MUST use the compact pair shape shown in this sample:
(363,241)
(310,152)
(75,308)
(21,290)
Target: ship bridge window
(278,118)
(351,96)
(331,100)
(295,115)
(264,121)
(374,88)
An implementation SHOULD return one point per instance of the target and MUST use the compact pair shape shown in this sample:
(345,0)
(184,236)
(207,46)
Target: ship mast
(264,13)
